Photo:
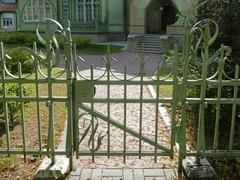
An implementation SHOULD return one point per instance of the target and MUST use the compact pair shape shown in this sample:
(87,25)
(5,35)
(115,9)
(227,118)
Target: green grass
(8,163)
(98,49)
(92,49)
(165,90)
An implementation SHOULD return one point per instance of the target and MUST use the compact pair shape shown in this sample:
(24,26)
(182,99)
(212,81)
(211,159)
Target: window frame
(38,11)
(9,25)
(87,13)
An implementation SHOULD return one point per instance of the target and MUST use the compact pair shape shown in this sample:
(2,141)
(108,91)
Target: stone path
(123,174)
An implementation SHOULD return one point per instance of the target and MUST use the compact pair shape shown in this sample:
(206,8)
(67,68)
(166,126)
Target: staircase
(153,43)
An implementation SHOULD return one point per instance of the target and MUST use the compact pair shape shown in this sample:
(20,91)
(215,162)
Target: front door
(159,15)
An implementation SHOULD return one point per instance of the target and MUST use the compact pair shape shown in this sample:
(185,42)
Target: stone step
(152,44)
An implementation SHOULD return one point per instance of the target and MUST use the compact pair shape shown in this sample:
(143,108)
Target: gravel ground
(132,118)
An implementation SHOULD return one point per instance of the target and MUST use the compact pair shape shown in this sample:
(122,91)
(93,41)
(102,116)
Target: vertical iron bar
(22,111)
(201,124)
(125,114)
(51,141)
(218,105)
(236,83)
(5,103)
(157,112)
(38,103)
(175,96)
(108,98)
(75,109)
(92,109)
(69,62)
(185,65)
(141,98)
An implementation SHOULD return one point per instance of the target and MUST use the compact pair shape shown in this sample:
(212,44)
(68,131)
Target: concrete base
(201,170)
(47,170)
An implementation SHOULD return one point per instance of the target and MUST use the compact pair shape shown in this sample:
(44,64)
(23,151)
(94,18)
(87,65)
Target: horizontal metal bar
(30,151)
(33,99)
(122,100)
(128,82)
(32,81)
(213,100)
(122,153)
(217,153)
(162,82)
(213,82)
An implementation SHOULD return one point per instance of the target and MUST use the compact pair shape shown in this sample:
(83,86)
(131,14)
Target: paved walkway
(123,174)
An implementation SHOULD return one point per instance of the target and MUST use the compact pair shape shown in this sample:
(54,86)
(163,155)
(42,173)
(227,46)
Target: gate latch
(84,91)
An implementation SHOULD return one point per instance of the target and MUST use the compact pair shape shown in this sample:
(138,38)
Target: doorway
(160,14)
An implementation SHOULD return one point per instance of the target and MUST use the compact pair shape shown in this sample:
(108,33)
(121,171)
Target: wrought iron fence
(192,68)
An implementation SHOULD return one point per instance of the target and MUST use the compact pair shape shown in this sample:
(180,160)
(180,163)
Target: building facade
(110,19)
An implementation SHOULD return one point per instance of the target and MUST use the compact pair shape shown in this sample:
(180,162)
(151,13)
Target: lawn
(165,90)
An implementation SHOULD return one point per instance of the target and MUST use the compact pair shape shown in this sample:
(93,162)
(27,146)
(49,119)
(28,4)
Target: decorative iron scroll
(93,125)
(202,35)
(51,57)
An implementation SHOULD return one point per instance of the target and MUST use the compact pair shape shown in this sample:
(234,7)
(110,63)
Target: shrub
(81,42)
(18,56)
(227,15)
(13,106)
(23,39)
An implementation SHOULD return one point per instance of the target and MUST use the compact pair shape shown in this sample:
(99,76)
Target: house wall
(116,21)
(31,26)
(137,15)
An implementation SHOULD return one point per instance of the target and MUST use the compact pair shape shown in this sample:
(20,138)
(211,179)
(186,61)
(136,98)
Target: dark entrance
(159,14)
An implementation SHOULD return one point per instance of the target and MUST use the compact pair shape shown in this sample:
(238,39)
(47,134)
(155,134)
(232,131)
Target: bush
(13,107)
(82,42)
(23,39)
(227,15)
(18,56)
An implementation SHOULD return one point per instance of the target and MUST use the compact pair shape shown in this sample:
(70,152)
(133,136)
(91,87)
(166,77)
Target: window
(9,1)
(38,9)
(65,9)
(7,22)
(87,10)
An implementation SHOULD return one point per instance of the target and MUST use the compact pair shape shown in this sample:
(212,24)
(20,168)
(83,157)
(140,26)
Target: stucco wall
(31,26)
(116,21)
(137,15)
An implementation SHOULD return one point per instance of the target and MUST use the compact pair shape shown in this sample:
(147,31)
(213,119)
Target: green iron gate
(85,102)
(89,129)
(42,102)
